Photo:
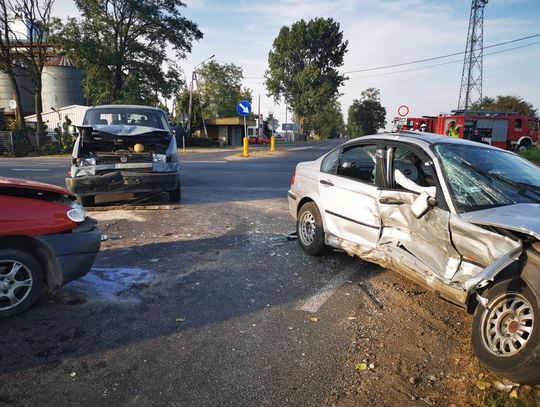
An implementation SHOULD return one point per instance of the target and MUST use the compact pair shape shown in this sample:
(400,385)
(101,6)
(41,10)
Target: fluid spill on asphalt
(116,285)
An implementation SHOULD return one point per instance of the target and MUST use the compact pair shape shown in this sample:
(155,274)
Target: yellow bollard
(246,148)
(273,143)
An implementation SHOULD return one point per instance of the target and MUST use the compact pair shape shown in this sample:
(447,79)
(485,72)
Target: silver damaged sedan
(457,217)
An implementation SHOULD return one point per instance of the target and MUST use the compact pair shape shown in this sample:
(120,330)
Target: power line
(430,59)
(439,57)
(443,63)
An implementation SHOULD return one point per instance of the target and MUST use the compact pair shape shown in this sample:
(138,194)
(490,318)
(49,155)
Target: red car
(259,140)
(46,240)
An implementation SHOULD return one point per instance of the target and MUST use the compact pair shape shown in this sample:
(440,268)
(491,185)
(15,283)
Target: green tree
(505,104)
(27,51)
(182,107)
(221,89)
(122,47)
(328,122)
(366,115)
(303,67)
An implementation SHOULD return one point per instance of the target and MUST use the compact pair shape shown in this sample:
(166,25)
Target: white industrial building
(55,118)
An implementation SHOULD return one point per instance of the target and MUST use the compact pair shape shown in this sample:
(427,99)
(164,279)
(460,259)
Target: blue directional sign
(243,108)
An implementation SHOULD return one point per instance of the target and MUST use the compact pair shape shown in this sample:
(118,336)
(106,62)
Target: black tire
(517,355)
(89,200)
(524,145)
(29,270)
(309,230)
(176,194)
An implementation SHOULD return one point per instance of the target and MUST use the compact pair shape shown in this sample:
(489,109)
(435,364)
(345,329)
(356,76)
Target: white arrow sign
(245,109)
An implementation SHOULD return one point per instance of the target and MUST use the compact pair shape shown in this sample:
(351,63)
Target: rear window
(126,116)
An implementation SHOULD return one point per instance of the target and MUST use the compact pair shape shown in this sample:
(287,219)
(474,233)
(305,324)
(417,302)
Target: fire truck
(505,130)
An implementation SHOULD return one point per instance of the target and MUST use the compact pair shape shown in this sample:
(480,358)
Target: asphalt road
(209,304)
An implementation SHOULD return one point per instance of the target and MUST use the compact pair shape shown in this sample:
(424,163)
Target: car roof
(126,107)
(421,139)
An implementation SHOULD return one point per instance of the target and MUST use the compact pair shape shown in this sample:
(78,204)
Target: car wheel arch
(307,199)
(42,253)
(302,202)
(529,272)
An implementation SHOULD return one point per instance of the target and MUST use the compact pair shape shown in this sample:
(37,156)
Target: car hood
(27,184)
(524,218)
(127,130)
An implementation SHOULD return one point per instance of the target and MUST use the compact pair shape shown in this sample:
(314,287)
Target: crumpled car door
(427,239)
(425,243)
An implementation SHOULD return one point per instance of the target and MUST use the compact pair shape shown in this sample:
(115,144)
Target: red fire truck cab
(506,130)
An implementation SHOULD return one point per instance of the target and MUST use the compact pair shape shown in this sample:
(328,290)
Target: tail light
(292,178)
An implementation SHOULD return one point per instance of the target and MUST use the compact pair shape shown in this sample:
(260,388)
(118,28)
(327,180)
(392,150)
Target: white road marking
(301,148)
(315,302)
(202,162)
(31,169)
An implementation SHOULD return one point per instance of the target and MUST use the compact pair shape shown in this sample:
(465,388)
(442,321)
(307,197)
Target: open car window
(359,163)
(413,167)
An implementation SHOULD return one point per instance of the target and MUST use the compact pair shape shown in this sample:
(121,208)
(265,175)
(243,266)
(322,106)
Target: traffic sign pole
(246,141)
(244,108)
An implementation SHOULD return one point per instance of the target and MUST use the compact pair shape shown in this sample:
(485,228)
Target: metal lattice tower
(471,78)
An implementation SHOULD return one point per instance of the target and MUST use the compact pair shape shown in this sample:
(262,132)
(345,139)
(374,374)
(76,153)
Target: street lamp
(193,77)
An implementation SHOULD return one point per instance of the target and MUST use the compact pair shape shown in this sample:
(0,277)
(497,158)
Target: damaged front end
(122,158)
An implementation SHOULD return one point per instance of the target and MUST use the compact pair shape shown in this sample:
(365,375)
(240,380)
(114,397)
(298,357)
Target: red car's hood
(27,184)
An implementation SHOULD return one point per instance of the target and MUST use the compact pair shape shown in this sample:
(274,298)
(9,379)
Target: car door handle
(391,201)
(327,183)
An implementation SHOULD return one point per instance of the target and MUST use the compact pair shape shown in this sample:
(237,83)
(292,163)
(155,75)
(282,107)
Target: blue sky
(380,32)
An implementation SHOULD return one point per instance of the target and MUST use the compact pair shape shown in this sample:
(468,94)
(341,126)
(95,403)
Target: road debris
(482,385)
(361,366)
(368,290)
(506,387)
(313,319)
(291,236)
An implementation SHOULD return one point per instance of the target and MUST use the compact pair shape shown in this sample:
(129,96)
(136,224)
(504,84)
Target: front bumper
(118,181)
(75,252)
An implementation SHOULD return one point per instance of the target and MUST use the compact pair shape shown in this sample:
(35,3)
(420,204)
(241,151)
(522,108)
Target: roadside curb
(255,155)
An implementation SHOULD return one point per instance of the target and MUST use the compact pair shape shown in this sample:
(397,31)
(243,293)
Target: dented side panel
(427,238)
(350,210)
(478,246)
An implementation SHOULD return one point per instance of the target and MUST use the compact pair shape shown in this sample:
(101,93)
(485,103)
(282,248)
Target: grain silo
(62,83)
(7,92)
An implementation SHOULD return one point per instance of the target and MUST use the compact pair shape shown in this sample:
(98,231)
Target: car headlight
(85,162)
(159,158)
(76,213)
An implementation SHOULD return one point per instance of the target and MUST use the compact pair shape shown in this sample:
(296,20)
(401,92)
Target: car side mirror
(422,205)
(346,165)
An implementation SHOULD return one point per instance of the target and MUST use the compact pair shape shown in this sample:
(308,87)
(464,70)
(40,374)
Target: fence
(6,142)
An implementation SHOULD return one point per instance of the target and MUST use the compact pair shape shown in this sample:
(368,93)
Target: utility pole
(200,105)
(286,125)
(471,77)
(194,77)
(259,118)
